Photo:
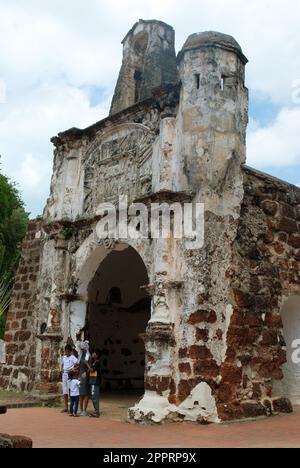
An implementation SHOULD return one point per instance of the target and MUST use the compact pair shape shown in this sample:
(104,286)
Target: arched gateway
(212,345)
(290,384)
(114,312)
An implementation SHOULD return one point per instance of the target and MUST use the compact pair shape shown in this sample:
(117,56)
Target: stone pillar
(49,378)
(51,341)
(19,369)
(160,341)
(168,166)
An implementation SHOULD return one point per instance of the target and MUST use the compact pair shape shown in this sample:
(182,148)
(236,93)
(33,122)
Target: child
(74,390)
(94,382)
(68,362)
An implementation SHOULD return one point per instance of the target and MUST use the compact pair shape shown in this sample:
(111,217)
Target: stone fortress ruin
(207,333)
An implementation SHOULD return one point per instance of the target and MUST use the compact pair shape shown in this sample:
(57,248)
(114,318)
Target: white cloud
(53,53)
(277,144)
(26,129)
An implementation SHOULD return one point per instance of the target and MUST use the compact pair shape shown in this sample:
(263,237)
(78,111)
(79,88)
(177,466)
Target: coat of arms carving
(118,163)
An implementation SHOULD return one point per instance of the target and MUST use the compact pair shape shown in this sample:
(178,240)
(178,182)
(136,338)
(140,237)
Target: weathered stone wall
(232,360)
(19,370)
(265,270)
(112,157)
(149,60)
(214,346)
(116,332)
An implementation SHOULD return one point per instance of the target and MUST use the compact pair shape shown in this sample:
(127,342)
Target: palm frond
(5,293)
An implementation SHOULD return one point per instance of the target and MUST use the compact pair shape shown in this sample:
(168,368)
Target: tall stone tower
(213,113)
(202,150)
(149,61)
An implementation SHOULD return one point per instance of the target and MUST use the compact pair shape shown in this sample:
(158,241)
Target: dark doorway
(118,313)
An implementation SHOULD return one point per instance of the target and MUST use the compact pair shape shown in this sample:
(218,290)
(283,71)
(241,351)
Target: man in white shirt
(68,362)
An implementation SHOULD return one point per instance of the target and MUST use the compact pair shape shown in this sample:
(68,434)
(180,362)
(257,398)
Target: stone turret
(213,112)
(149,61)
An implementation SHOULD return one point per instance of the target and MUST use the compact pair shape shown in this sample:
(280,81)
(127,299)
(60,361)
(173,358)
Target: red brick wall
(266,267)
(19,370)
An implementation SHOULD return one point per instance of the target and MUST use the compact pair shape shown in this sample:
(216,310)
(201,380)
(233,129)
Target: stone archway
(290,313)
(118,312)
(112,309)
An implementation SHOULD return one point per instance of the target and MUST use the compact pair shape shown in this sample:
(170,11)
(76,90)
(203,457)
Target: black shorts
(84,387)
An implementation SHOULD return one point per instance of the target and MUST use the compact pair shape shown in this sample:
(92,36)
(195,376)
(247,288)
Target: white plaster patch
(163,362)
(2,352)
(199,404)
(229,313)
(153,405)
(22,378)
(77,317)
(219,348)
(290,385)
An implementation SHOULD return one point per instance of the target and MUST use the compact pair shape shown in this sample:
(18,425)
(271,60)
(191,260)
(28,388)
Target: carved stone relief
(118,163)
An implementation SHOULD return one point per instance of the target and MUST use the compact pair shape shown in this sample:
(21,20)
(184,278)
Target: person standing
(68,362)
(94,383)
(74,393)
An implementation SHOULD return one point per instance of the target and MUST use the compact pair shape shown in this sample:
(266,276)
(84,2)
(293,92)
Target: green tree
(13,224)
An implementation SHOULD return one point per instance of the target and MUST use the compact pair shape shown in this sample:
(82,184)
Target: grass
(54,404)
(13,396)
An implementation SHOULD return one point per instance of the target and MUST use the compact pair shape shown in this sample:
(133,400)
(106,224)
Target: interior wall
(118,313)
(122,269)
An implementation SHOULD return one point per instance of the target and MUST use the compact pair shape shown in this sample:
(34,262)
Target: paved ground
(49,428)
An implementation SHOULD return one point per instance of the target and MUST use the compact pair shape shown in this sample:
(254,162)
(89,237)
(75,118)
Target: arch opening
(118,311)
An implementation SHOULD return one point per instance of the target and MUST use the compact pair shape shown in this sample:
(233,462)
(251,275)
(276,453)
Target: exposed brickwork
(157,384)
(19,370)
(49,371)
(266,267)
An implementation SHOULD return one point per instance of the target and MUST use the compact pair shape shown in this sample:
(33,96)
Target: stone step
(14,405)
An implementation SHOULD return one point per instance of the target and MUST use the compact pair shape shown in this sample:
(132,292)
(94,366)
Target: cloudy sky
(59,62)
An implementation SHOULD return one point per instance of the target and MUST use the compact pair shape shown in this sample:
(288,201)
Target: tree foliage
(13,224)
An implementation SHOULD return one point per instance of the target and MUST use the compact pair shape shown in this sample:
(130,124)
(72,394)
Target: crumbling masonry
(202,330)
